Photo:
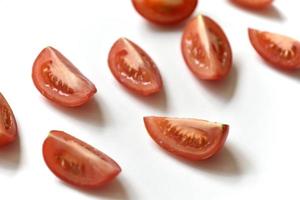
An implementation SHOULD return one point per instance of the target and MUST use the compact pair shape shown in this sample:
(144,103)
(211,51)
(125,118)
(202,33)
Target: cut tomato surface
(76,162)
(206,49)
(165,12)
(281,51)
(134,68)
(59,80)
(8,125)
(192,139)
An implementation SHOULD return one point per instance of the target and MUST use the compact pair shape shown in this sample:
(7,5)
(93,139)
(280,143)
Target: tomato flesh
(253,4)
(192,139)
(165,12)
(59,80)
(206,49)
(76,162)
(8,125)
(279,50)
(134,68)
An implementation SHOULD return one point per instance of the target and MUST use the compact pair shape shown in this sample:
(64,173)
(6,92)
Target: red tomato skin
(220,74)
(48,143)
(137,90)
(7,137)
(272,59)
(188,156)
(253,6)
(45,54)
(149,12)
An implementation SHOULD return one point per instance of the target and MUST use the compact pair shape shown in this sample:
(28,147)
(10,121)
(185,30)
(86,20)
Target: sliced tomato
(279,50)
(8,125)
(253,4)
(59,80)
(206,49)
(165,12)
(134,68)
(192,139)
(76,162)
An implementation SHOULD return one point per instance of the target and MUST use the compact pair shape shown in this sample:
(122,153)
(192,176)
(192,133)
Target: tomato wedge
(192,139)
(253,4)
(76,162)
(281,51)
(59,80)
(8,125)
(134,68)
(165,12)
(206,49)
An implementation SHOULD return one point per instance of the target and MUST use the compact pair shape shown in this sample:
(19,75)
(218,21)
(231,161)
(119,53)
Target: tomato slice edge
(253,6)
(156,83)
(193,156)
(7,138)
(220,73)
(56,134)
(165,22)
(274,60)
(71,101)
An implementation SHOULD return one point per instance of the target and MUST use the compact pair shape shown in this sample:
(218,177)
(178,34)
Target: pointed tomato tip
(94,90)
(119,170)
(145,119)
(51,133)
(225,127)
(49,48)
(123,38)
(252,30)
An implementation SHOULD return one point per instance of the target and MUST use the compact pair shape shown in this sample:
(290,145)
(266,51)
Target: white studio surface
(261,104)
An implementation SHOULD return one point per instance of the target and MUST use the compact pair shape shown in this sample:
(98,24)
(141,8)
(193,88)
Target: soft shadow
(225,163)
(223,89)
(271,12)
(157,28)
(159,101)
(149,26)
(10,155)
(89,113)
(113,190)
(293,73)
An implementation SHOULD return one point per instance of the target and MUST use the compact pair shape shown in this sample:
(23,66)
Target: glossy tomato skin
(134,68)
(268,47)
(78,163)
(165,12)
(253,4)
(191,139)
(206,49)
(8,124)
(59,80)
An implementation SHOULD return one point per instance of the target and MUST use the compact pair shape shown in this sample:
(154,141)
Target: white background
(261,157)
